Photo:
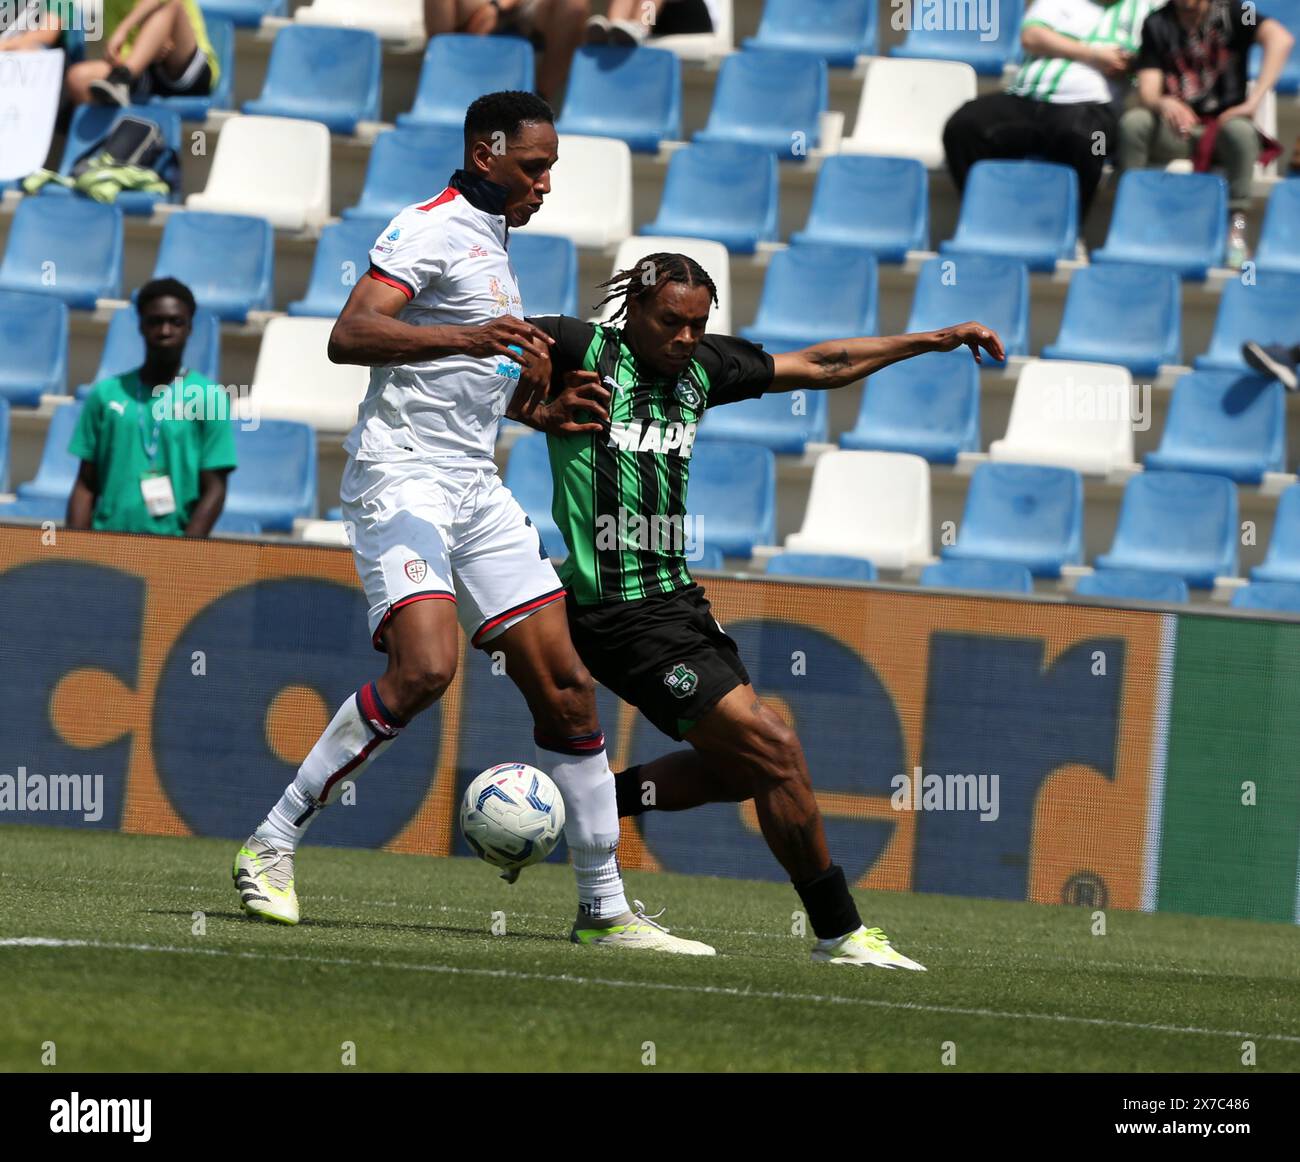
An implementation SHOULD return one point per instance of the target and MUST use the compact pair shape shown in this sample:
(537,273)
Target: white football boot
(640,933)
(863,946)
(263,876)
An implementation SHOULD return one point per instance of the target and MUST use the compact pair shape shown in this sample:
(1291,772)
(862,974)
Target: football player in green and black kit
(620,421)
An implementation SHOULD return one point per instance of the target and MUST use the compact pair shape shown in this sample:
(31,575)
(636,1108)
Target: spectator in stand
(1193,103)
(631,22)
(557,26)
(34,25)
(1063,104)
(1277,360)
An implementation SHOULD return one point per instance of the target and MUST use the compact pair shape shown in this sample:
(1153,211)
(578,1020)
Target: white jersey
(448,256)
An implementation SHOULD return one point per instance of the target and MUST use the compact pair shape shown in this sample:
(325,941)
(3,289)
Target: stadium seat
(987,49)
(342,257)
(276,478)
(1072,415)
(1019,209)
(701,556)
(590,201)
(1026,513)
(771,100)
(41,508)
(868,504)
(904,106)
(712,256)
(547,268)
(1265,311)
(1282,562)
(4,444)
(1175,220)
(633,95)
(325,532)
(974,286)
(58,469)
(727,193)
(90,123)
(458,69)
(408,166)
(528,476)
(896,189)
(704,46)
(1184,523)
(235,524)
(221,35)
(1280,596)
(823,565)
(972,573)
(227,260)
(1279,239)
(815,292)
(124,347)
(70,248)
(330,75)
(838,31)
(273,167)
(294,379)
(1133,584)
(391,19)
(34,339)
(1224,422)
(782,421)
(1117,313)
(1288,12)
(244,13)
(732,497)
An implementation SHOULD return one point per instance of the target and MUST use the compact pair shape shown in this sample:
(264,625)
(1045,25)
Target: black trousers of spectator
(1004,126)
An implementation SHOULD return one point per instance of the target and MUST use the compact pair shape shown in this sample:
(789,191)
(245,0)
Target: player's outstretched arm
(839,362)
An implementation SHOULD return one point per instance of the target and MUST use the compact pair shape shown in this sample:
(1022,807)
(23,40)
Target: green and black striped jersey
(620,495)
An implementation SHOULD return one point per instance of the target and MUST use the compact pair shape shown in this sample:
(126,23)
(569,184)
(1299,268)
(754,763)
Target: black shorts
(666,655)
(195,81)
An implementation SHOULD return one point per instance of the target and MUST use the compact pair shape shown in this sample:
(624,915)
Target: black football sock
(831,910)
(628,789)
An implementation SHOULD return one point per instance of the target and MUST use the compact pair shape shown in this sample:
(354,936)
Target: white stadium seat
(325,532)
(276,168)
(393,19)
(703,46)
(904,106)
(712,256)
(1070,415)
(591,193)
(868,504)
(294,379)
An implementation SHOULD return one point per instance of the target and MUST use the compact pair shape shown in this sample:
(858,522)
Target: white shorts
(422,532)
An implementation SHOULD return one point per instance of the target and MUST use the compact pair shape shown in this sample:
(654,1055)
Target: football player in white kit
(437,536)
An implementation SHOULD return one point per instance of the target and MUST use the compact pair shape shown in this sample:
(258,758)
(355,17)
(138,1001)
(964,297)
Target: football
(512,815)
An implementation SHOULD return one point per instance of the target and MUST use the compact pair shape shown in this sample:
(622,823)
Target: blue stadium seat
(1265,312)
(335,513)
(974,286)
(1281,596)
(331,75)
(724,192)
(276,478)
(237,524)
(815,292)
(986,56)
(58,469)
(4,444)
(41,508)
(342,257)
(221,34)
(1117,313)
(1279,239)
(408,166)
(458,69)
(824,565)
(1026,513)
(1224,422)
(710,557)
(547,268)
(34,339)
(770,100)
(1282,562)
(124,347)
(1184,523)
(633,94)
(67,247)
(929,406)
(1132,584)
(838,31)
(244,13)
(528,476)
(896,189)
(1018,209)
(1288,12)
(90,123)
(227,260)
(733,494)
(972,573)
(782,421)
(1175,220)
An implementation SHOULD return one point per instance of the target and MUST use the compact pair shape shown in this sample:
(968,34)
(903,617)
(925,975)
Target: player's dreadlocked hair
(642,280)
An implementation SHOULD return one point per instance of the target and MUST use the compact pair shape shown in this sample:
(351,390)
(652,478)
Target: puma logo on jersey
(118,406)
(652,436)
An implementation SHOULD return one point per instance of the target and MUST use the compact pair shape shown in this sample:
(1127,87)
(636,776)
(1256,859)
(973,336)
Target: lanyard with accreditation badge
(155,485)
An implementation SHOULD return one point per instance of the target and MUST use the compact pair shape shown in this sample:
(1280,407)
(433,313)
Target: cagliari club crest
(417,569)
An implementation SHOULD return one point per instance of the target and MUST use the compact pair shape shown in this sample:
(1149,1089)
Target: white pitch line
(708,990)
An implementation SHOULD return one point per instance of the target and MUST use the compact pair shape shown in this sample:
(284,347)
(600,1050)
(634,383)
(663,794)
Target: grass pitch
(396,956)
